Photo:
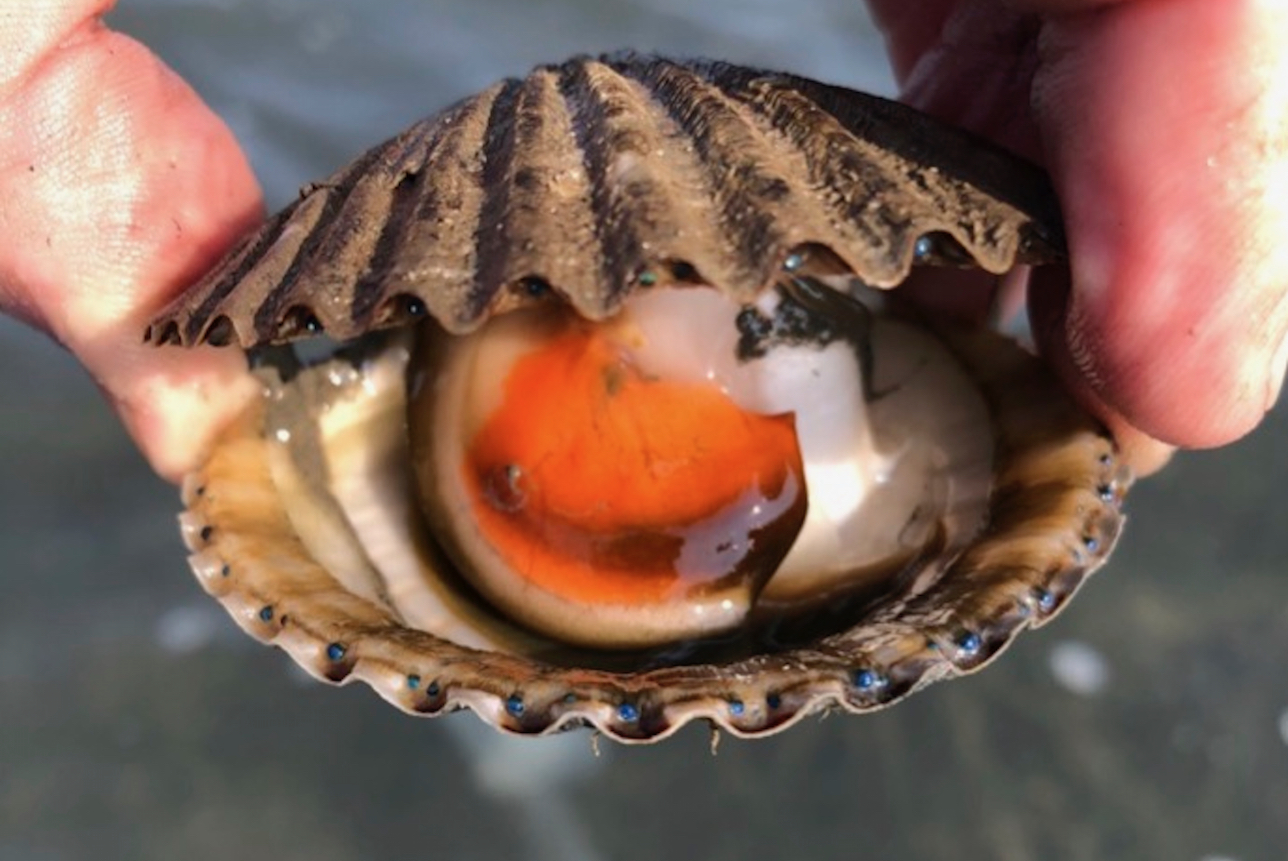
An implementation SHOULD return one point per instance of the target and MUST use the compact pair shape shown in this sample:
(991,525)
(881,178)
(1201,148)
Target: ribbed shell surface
(594,176)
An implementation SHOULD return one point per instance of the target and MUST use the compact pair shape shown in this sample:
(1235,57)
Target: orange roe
(590,477)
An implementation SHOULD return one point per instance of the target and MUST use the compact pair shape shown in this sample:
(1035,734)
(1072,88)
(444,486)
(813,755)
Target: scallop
(618,425)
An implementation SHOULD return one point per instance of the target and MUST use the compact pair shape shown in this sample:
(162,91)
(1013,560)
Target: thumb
(1167,136)
(117,187)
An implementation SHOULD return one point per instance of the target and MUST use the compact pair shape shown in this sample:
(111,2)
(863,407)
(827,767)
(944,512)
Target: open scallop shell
(584,183)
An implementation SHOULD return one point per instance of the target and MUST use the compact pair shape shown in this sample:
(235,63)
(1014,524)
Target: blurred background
(1149,721)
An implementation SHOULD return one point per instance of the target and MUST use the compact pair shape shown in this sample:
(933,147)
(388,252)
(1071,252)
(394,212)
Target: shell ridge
(433,255)
(863,186)
(415,202)
(371,290)
(974,163)
(855,184)
(189,316)
(620,251)
(429,171)
(492,234)
(752,202)
(285,294)
(347,243)
(404,164)
(549,210)
(864,171)
(232,269)
(540,226)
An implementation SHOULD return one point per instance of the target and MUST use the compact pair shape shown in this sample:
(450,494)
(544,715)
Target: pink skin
(1162,121)
(1165,126)
(117,187)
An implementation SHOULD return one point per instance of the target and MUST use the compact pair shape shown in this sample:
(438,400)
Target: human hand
(1164,124)
(117,187)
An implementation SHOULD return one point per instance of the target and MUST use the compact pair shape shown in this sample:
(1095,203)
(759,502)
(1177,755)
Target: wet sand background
(1149,721)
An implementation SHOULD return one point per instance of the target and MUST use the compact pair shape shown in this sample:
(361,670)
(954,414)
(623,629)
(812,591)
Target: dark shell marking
(594,176)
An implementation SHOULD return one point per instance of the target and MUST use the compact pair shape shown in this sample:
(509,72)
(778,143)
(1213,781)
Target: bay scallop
(617,425)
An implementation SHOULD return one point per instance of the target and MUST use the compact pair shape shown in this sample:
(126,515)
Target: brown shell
(593,174)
